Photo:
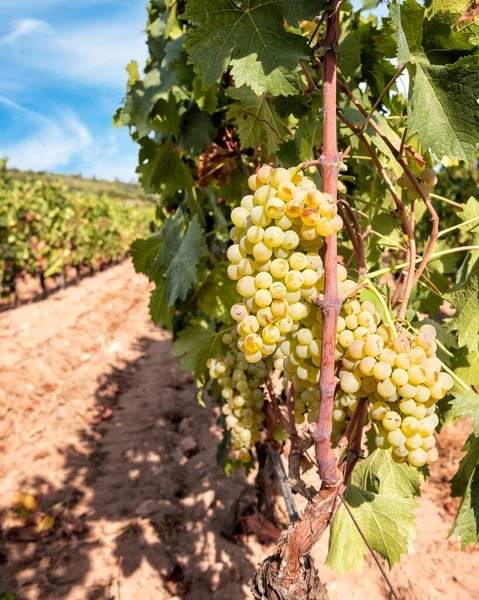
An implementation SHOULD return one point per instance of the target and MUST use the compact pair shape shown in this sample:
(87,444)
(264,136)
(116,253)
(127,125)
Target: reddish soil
(102,427)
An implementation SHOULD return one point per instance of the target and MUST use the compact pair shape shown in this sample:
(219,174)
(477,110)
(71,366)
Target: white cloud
(51,144)
(115,157)
(25,27)
(91,52)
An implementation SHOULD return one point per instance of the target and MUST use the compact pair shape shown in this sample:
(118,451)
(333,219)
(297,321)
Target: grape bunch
(277,232)
(402,377)
(242,395)
(427,180)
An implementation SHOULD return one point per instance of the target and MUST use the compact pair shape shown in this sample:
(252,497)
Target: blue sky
(62,76)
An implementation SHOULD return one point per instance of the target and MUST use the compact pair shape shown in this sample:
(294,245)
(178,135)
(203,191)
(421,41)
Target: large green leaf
(465,299)
(381,475)
(195,345)
(158,305)
(256,120)
(466,404)
(407,18)
(161,168)
(466,484)
(251,39)
(387,522)
(443,110)
(145,251)
(181,274)
(216,296)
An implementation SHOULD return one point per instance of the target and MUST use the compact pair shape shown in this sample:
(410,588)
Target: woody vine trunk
(289,573)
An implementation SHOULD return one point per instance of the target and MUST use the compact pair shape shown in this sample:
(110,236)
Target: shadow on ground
(142,502)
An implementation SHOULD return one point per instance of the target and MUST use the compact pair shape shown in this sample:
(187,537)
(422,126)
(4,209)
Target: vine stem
(400,69)
(329,161)
(410,175)
(384,307)
(404,265)
(400,208)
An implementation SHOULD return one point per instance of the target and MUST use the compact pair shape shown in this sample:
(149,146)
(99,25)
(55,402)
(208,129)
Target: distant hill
(77,183)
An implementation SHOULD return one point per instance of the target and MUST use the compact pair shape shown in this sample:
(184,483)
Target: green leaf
(133,73)
(155,84)
(195,345)
(379,474)
(349,51)
(467,467)
(182,270)
(345,557)
(172,231)
(197,130)
(465,299)
(466,404)
(407,18)
(161,168)
(295,11)
(252,40)
(216,296)
(443,110)
(466,366)
(144,252)
(158,305)
(466,483)
(256,120)
(387,522)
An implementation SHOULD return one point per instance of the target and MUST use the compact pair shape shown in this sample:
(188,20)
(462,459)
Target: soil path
(101,426)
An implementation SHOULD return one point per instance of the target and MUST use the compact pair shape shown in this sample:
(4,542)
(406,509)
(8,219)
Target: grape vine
(313,279)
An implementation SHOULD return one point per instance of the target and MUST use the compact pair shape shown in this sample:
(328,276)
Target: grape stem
(358,237)
(404,265)
(384,306)
(403,162)
(401,209)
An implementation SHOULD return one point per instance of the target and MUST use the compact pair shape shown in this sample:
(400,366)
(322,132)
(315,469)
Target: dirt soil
(99,424)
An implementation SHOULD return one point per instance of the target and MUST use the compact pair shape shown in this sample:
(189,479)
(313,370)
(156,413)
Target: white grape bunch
(274,259)
(402,378)
(242,395)
(427,180)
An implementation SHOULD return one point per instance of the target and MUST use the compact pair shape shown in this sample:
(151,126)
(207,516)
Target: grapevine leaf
(161,168)
(466,483)
(144,252)
(158,305)
(443,110)
(387,522)
(173,233)
(345,557)
(197,130)
(181,272)
(252,40)
(295,11)
(155,84)
(256,120)
(466,404)
(465,299)
(379,474)
(466,366)
(407,18)
(350,52)
(216,296)
(195,345)
(470,215)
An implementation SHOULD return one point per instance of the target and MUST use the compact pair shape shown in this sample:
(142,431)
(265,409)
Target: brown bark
(289,573)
